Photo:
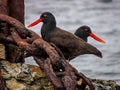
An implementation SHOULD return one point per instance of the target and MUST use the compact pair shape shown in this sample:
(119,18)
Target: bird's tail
(98,53)
(93,50)
(89,49)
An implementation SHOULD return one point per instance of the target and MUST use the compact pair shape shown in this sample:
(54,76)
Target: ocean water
(104,20)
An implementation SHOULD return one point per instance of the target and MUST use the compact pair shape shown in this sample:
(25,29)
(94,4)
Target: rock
(2,51)
(30,77)
(24,77)
(105,84)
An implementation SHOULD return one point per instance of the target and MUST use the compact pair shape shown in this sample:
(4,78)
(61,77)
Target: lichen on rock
(2,51)
(20,76)
(24,77)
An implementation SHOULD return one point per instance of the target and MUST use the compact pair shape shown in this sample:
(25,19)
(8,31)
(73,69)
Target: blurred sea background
(104,20)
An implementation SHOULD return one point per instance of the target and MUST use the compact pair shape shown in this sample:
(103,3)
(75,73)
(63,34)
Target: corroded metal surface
(16,9)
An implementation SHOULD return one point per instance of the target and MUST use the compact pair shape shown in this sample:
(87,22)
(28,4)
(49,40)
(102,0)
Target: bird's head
(85,31)
(45,17)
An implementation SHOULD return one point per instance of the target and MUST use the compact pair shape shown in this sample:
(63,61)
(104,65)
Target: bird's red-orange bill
(35,23)
(96,38)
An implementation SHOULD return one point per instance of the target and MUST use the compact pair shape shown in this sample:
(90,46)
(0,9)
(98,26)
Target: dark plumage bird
(84,32)
(70,45)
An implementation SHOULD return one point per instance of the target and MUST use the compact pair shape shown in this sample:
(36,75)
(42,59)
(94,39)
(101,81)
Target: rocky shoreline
(30,77)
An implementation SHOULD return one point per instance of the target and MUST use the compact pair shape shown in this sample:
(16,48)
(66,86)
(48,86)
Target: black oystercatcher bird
(70,45)
(84,32)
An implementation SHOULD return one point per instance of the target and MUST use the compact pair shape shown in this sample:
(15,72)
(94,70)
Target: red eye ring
(45,15)
(86,29)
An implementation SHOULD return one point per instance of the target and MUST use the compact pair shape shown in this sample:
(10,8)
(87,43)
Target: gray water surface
(104,20)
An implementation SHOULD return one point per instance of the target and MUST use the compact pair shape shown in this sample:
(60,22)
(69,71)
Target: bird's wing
(64,38)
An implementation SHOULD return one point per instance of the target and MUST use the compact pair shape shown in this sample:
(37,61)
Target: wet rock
(29,77)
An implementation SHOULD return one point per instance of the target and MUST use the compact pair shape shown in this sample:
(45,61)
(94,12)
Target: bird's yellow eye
(45,15)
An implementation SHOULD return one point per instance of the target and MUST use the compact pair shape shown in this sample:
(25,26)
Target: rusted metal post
(16,9)
(4,10)
(13,8)
(3,7)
